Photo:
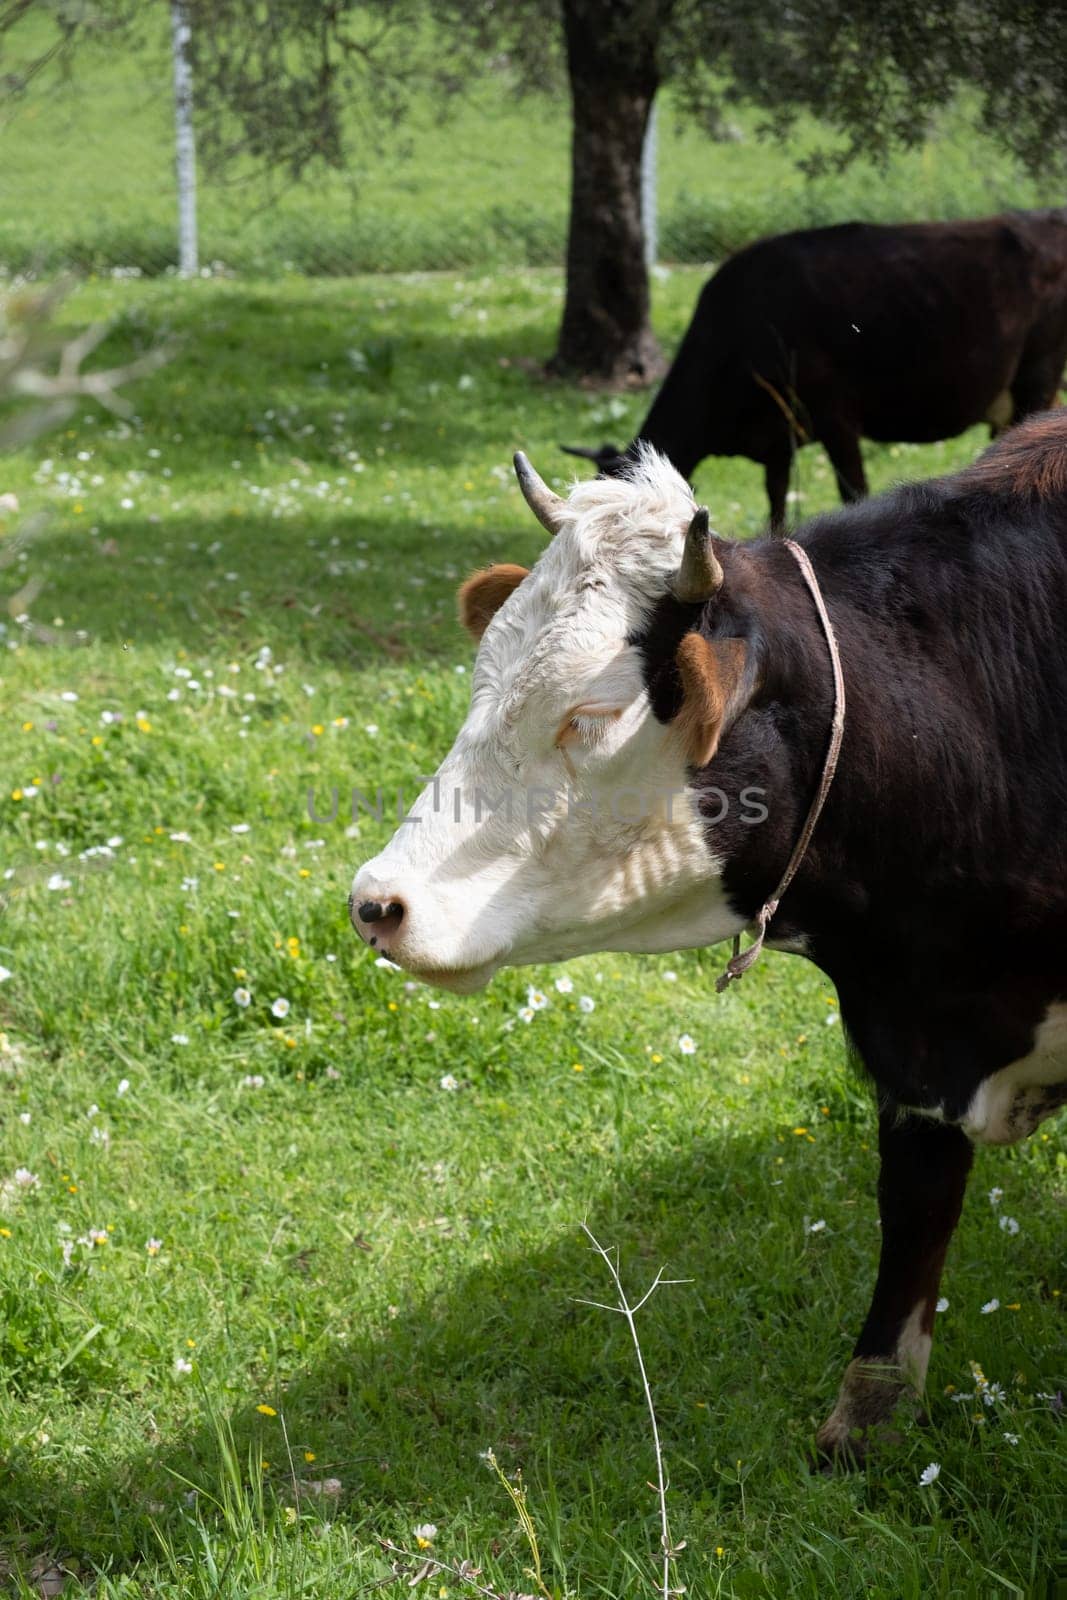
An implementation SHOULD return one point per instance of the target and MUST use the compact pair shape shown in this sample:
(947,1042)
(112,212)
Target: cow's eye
(585,726)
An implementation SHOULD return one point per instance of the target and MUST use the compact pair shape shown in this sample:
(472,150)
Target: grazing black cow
(913,332)
(649,722)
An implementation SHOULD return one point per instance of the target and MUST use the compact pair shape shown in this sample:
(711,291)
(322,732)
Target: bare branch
(670,1550)
(38,364)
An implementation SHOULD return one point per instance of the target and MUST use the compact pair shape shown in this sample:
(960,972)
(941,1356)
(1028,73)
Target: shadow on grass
(743,1361)
(505,1357)
(305,374)
(137,582)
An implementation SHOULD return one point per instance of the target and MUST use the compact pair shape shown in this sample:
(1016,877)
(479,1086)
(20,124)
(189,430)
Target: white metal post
(184,141)
(649,199)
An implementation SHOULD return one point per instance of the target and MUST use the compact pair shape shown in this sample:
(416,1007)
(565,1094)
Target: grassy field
(269,1285)
(87,180)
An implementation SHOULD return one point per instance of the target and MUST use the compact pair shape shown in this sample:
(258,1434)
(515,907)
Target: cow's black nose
(377,921)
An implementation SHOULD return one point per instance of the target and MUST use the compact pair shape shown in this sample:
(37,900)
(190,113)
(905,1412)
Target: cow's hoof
(846,1450)
(836,1453)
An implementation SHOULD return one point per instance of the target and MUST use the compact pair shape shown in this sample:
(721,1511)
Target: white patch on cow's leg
(871,1388)
(913,1348)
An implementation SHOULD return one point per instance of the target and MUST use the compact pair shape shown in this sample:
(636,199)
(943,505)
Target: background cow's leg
(842,445)
(1036,385)
(776,476)
(920,1194)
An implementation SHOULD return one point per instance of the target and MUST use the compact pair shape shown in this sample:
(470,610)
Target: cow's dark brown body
(912,332)
(934,893)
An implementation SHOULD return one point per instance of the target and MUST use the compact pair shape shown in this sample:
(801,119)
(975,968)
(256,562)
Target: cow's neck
(930,993)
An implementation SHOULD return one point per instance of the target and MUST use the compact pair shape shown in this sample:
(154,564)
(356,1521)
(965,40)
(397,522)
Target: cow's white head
(561,821)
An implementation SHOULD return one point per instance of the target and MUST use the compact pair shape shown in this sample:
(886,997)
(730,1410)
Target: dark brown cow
(913,332)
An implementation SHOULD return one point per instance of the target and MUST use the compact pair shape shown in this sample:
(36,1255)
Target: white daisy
(687,1045)
(242,998)
(586,1004)
(930,1474)
(280,1008)
(564,985)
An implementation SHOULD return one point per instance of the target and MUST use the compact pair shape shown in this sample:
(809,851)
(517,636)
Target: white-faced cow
(650,715)
(913,332)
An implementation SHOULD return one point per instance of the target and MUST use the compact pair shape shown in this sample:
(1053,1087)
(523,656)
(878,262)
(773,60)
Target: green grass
(390,1266)
(87,181)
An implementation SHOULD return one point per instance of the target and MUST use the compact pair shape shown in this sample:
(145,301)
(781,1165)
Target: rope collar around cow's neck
(740,961)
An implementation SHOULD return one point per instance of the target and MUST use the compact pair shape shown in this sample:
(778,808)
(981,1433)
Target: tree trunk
(611,61)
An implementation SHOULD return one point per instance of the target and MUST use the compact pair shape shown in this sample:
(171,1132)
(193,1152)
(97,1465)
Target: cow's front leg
(920,1194)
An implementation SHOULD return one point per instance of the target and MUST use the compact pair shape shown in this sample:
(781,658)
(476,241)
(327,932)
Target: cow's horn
(700,575)
(546,506)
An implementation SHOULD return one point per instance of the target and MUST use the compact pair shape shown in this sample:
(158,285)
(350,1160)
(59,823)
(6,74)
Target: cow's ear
(712,674)
(482,595)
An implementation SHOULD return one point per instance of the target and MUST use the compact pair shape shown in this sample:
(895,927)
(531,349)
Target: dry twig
(625,1309)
